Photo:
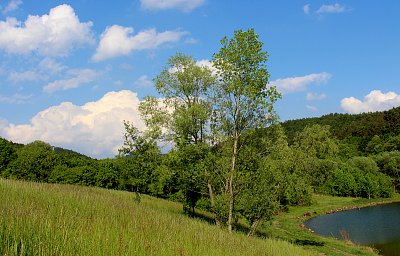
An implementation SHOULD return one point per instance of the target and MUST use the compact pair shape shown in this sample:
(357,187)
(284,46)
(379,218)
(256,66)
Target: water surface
(377,226)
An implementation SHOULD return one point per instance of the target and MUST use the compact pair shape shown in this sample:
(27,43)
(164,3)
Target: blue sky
(71,71)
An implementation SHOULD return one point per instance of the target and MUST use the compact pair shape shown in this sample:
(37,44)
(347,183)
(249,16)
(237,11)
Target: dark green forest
(230,155)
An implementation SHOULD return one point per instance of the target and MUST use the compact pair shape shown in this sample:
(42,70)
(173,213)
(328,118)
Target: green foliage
(184,86)
(189,163)
(242,98)
(7,154)
(365,164)
(389,164)
(35,162)
(316,141)
(349,180)
(356,130)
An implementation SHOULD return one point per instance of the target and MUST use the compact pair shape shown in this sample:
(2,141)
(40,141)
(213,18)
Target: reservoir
(377,226)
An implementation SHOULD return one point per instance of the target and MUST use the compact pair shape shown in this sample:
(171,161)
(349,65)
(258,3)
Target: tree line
(229,154)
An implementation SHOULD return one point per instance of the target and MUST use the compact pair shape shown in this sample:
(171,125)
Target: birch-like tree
(243,99)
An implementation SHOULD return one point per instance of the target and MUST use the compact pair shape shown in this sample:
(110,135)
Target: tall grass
(49,219)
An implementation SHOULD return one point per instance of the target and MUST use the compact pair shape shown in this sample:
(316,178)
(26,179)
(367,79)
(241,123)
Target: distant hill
(343,126)
(69,153)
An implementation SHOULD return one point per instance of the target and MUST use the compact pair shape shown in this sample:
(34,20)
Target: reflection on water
(378,226)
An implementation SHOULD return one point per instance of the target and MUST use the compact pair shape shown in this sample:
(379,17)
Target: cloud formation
(306,9)
(143,82)
(184,5)
(53,34)
(117,41)
(294,84)
(374,101)
(17,98)
(12,6)
(331,8)
(315,96)
(28,75)
(77,78)
(312,108)
(95,129)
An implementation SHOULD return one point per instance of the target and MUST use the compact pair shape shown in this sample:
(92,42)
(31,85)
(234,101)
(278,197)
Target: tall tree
(182,117)
(243,100)
(184,84)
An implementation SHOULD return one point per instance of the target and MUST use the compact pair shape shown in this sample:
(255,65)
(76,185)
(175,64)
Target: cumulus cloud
(184,5)
(293,84)
(53,34)
(306,9)
(117,40)
(315,96)
(143,81)
(331,8)
(374,101)
(12,6)
(95,129)
(77,78)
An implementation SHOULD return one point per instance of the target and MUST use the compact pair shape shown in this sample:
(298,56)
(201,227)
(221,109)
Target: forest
(230,155)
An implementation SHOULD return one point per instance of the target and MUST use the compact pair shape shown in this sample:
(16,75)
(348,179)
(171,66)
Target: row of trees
(270,174)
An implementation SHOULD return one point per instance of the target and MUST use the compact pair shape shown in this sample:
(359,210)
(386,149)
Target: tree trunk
(232,170)
(253,228)
(212,200)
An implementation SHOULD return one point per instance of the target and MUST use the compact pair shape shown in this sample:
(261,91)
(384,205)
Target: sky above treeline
(72,71)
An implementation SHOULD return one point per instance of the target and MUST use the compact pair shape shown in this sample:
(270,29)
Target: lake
(377,226)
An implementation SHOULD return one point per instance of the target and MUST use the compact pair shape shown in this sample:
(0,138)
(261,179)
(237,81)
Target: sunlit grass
(49,219)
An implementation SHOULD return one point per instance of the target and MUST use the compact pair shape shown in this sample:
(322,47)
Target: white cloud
(12,6)
(117,40)
(331,8)
(28,75)
(306,9)
(374,101)
(143,82)
(95,129)
(16,98)
(184,5)
(315,96)
(293,84)
(78,78)
(118,83)
(312,108)
(53,34)
(49,66)
(191,41)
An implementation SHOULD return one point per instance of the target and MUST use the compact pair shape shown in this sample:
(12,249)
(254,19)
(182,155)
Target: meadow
(52,219)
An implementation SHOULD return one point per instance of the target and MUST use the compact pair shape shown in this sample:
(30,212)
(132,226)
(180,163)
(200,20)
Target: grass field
(49,219)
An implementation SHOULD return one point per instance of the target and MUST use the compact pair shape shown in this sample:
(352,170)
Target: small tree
(242,98)
(7,154)
(35,162)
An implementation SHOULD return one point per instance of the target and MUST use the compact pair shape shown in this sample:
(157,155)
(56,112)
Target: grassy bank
(288,225)
(49,219)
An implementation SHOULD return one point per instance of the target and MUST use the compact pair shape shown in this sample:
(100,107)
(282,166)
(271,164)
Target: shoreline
(290,225)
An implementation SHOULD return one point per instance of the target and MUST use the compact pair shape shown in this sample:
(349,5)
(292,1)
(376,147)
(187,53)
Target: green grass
(50,219)
(288,225)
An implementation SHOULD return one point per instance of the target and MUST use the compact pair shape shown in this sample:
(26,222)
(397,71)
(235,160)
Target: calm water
(378,226)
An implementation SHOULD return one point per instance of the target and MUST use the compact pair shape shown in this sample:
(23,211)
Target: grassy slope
(49,219)
(288,225)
